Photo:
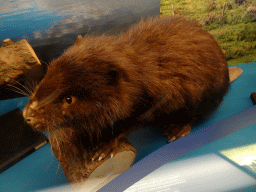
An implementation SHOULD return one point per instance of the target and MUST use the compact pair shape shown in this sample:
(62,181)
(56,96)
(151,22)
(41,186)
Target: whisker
(26,88)
(29,86)
(51,159)
(53,137)
(65,136)
(33,85)
(58,168)
(48,129)
(59,149)
(47,64)
(17,90)
(54,125)
(57,142)
(48,166)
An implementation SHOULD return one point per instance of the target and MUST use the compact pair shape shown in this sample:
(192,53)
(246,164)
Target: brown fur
(166,69)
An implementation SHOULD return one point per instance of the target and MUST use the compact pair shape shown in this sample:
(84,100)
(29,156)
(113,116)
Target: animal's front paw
(176,132)
(107,150)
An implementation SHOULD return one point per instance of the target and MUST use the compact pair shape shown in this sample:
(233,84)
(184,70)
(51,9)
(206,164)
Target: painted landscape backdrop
(231,22)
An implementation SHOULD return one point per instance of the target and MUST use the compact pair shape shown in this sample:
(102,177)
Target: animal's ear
(79,39)
(114,75)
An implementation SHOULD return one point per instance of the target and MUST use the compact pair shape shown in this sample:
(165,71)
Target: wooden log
(18,62)
(234,73)
(80,169)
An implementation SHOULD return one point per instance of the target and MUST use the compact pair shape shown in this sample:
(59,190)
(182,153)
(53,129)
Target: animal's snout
(28,114)
(30,118)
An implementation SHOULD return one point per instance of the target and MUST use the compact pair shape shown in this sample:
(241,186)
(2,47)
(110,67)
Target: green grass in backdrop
(231,22)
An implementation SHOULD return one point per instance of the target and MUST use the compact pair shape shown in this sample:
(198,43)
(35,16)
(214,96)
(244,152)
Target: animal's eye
(68,99)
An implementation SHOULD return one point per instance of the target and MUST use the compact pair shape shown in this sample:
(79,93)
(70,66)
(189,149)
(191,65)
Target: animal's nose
(29,119)
(28,114)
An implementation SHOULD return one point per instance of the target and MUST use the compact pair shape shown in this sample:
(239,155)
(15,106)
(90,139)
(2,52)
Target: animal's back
(180,66)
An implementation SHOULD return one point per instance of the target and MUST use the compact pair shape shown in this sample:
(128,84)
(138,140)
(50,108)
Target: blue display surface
(235,113)
(196,143)
(232,126)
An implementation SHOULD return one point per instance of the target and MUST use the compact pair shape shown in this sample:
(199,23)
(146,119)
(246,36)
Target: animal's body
(167,70)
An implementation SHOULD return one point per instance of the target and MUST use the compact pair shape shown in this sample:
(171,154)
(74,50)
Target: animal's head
(85,88)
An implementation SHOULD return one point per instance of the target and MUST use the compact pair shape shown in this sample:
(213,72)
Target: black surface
(17,139)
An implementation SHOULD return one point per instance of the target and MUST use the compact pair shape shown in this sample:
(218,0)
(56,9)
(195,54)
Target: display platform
(221,159)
